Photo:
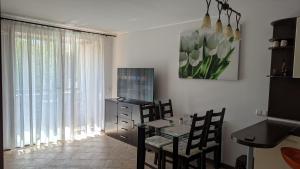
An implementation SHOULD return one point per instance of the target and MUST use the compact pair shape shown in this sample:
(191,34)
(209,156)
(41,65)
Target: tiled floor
(100,152)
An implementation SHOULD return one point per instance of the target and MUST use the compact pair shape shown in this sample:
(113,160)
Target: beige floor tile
(100,152)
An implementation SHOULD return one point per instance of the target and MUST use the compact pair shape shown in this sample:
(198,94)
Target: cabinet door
(136,120)
(111,118)
(296,71)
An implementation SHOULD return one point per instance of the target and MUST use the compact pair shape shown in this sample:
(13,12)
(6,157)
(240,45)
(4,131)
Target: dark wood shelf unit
(284,88)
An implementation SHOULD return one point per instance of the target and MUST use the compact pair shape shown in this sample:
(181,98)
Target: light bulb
(228,31)
(219,26)
(206,23)
(237,34)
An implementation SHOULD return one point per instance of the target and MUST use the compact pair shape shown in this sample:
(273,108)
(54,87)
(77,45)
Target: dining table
(176,127)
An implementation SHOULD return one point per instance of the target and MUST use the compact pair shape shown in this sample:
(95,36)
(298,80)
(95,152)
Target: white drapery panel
(53,84)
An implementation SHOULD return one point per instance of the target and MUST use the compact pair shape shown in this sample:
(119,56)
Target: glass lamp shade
(237,34)
(219,26)
(228,32)
(206,23)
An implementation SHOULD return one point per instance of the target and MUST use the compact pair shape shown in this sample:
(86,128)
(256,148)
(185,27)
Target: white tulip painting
(208,55)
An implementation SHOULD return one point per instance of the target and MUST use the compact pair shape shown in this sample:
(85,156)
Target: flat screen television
(136,84)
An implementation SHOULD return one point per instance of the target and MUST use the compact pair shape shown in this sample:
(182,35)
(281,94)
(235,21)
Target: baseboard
(223,165)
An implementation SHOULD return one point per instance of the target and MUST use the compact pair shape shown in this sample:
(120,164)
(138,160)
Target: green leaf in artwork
(213,66)
(222,65)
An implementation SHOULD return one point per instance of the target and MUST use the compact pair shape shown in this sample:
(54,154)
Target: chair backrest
(165,108)
(199,132)
(148,111)
(216,125)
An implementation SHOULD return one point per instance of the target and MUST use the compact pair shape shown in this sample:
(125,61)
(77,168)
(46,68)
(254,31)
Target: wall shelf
(279,76)
(279,39)
(284,90)
(286,47)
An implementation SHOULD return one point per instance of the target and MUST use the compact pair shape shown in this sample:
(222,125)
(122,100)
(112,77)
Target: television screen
(136,83)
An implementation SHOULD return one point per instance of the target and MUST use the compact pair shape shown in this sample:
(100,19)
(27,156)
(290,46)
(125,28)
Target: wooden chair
(148,113)
(165,109)
(291,156)
(191,149)
(153,142)
(214,141)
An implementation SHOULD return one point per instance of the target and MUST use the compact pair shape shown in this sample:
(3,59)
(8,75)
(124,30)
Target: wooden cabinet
(122,119)
(111,118)
(296,73)
(285,70)
(272,158)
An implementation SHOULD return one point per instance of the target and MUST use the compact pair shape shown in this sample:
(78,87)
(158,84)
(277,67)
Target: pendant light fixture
(228,31)
(206,24)
(222,5)
(237,33)
(219,25)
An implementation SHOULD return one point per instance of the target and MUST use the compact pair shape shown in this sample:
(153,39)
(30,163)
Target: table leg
(250,158)
(141,150)
(175,152)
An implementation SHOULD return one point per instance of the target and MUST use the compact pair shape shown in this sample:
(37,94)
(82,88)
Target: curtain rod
(76,30)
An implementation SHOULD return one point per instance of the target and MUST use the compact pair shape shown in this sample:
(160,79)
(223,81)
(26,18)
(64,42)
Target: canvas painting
(208,55)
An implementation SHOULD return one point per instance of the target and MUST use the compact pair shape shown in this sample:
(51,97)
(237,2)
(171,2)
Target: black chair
(191,149)
(165,108)
(148,112)
(152,142)
(214,141)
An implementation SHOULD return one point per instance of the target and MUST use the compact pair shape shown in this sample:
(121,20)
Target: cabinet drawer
(124,110)
(124,107)
(126,123)
(125,138)
(124,134)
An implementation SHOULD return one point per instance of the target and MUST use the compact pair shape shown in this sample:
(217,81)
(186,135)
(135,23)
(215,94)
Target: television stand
(122,118)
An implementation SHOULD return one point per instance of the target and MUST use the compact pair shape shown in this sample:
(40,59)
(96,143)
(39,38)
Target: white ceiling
(108,15)
(116,16)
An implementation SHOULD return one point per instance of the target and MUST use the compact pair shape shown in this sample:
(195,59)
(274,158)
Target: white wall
(159,48)
(108,62)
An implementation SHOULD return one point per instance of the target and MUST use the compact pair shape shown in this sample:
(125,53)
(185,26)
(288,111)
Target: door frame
(1,113)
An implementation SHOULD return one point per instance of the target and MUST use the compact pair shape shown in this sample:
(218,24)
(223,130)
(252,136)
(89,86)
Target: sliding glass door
(53,84)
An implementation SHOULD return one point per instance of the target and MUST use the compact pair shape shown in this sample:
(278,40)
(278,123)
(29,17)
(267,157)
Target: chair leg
(217,157)
(219,154)
(185,164)
(202,161)
(163,161)
(155,158)
(159,156)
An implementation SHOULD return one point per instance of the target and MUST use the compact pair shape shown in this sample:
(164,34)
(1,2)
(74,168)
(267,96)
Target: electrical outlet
(259,112)
(265,113)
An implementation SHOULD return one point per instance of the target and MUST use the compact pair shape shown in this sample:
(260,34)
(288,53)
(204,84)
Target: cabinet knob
(123,137)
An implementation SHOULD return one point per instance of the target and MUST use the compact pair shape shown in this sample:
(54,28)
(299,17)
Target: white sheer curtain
(53,84)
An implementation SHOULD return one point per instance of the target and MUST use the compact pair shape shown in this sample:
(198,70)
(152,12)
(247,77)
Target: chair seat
(291,156)
(211,144)
(182,149)
(157,141)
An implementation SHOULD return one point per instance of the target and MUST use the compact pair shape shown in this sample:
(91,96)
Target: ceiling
(108,15)
(116,16)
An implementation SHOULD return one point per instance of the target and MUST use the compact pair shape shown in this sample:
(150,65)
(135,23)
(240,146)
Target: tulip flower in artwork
(208,55)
